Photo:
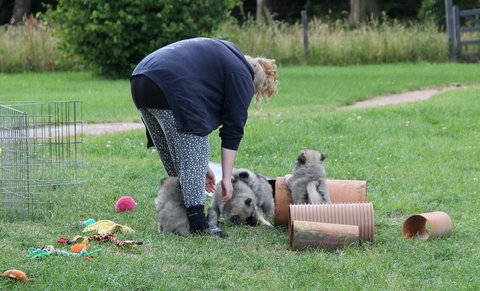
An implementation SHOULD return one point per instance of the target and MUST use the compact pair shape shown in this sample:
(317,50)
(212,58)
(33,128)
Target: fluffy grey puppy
(240,209)
(261,188)
(170,211)
(308,180)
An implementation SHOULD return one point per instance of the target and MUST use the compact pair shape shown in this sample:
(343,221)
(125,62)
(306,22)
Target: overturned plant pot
(341,191)
(427,225)
(327,236)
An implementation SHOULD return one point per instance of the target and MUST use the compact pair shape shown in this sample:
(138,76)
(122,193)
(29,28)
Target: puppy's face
(308,157)
(243,211)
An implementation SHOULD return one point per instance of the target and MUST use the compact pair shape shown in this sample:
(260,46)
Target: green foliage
(113,36)
(436,8)
(114,47)
(333,9)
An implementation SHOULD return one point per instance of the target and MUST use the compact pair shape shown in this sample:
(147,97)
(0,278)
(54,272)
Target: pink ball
(125,203)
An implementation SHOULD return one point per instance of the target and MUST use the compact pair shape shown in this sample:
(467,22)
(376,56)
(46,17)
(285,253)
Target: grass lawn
(417,157)
(301,88)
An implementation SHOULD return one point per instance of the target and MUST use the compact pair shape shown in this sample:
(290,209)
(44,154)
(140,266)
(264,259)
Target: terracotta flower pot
(438,222)
(283,198)
(347,191)
(328,236)
(341,191)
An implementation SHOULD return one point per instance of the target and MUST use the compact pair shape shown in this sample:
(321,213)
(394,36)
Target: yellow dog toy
(107,226)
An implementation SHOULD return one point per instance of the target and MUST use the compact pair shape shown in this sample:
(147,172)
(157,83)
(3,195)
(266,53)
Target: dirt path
(401,98)
(101,128)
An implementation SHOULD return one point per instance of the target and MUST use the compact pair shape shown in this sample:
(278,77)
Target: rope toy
(46,251)
(101,238)
(115,240)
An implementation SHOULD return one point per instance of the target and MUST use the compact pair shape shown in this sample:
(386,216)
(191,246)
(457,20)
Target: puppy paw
(264,222)
(268,224)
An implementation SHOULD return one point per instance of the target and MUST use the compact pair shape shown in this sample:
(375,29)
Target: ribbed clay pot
(359,214)
(438,222)
(341,191)
(328,236)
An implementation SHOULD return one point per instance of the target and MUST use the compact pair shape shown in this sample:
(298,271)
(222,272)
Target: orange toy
(16,275)
(76,248)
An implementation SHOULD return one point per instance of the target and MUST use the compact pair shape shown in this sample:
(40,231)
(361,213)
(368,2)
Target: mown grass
(417,157)
(310,88)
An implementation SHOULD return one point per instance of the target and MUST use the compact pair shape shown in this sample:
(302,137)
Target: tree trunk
(362,10)
(262,14)
(21,9)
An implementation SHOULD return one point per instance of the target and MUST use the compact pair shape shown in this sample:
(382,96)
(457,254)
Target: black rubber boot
(199,224)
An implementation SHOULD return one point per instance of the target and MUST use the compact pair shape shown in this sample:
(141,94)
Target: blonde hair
(265,79)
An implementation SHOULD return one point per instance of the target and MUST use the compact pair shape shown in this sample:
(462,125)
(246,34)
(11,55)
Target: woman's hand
(228,160)
(227,189)
(210,181)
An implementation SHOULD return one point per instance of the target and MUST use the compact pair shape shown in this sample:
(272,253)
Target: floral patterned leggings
(183,155)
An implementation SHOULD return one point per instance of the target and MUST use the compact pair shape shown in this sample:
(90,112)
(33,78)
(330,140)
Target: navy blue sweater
(207,83)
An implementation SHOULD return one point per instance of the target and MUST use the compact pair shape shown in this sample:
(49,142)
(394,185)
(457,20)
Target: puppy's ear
(162,181)
(301,158)
(322,157)
(248,201)
(243,174)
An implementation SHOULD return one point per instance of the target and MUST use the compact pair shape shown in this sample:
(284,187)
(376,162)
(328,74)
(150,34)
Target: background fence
(459,24)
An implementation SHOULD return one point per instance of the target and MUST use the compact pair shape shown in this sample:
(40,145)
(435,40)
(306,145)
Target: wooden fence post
(305,32)
(458,33)
(450,19)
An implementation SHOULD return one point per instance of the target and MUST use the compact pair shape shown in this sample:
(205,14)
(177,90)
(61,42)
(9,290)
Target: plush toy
(77,240)
(16,275)
(107,226)
(88,222)
(76,248)
(125,203)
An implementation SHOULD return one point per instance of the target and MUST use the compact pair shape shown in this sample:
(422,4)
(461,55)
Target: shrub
(113,36)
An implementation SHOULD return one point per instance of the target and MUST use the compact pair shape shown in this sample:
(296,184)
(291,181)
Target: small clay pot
(328,236)
(427,225)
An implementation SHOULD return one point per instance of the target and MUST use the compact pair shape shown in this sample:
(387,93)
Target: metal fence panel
(40,156)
